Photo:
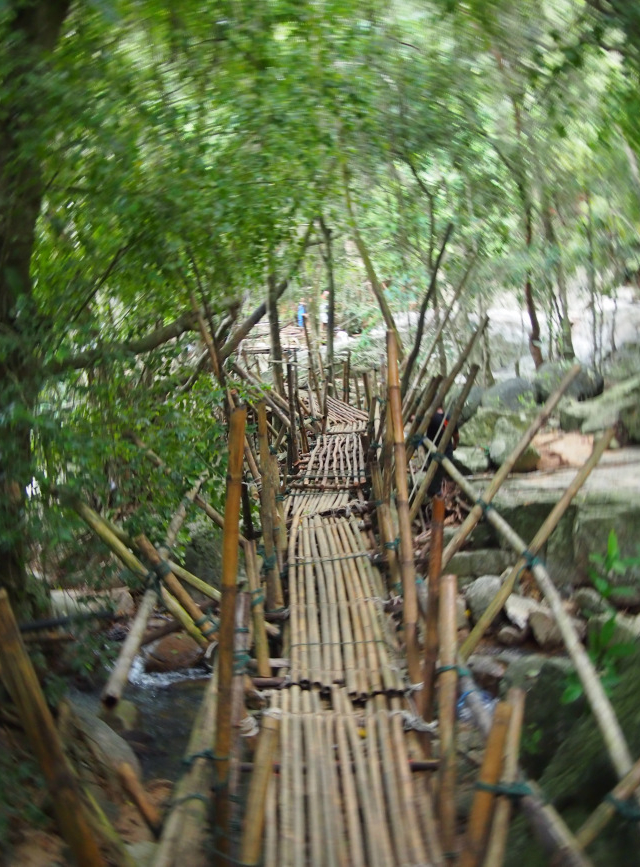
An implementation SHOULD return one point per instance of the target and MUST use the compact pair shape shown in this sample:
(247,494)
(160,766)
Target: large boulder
(512,394)
(619,405)
(591,536)
(506,436)
(468,565)
(173,653)
(471,404)
(471,460)
(623,364)
(481,593)
(587,384)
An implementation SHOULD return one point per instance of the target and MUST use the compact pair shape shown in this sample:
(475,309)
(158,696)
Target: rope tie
(258,597)
(414,687)
(392,546)
(412,722)
(249,727)
(627,809)
(462,672)
(203,754)
(483,505)
(415,440)
(240,661)
(514,791)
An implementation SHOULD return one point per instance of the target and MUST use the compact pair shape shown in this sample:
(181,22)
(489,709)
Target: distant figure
(324,313)
(435,432)
(302,312)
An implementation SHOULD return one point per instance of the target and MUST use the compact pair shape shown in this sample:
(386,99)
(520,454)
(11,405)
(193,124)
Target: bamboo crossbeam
(548,526)
(475,514)
(134,788)
(22,684)
(599,701)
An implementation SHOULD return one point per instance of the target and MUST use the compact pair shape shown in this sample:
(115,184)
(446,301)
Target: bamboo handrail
(476,512)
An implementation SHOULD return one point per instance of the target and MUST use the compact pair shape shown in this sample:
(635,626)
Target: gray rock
(472,403)
(107,746)
(479,430)
(546,631)
(588,383)
(511,636)
(487,671)
(623,364)
(591,532)
(472,459)
(619,405)
(589,602)
(626,630)
(124,717)
(473,564)
(481,593)
(506,437)
(513,394)
(462,620)
(520,608)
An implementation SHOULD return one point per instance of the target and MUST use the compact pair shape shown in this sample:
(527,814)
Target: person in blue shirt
(302,312)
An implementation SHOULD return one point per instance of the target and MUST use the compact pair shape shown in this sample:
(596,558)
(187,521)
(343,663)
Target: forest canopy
(164,165)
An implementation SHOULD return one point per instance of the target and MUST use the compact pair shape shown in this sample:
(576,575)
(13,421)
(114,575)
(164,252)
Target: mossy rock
(203,554)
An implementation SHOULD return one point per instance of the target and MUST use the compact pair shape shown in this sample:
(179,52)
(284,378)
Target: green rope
(625,808)
(258,597)
(483,505)
(514,790)
(280,498)
(203,754)
(240,661)
(462,671)
(392,546)
(415,440)
(269,562)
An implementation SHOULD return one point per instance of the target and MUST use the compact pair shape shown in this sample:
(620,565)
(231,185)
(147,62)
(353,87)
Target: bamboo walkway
(344,792)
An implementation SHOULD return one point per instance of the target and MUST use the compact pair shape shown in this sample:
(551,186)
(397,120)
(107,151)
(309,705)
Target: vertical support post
(222,748)
(433,605)
(448,683)
(275,598)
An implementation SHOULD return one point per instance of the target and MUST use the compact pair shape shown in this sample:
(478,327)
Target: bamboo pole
(293,439)
(550,523)
(605,811)
(271,397)
(484,801)
(275,599)
(226,632)
(257,597)
(184,828)
(553,833)
(476,512)
(599,701)
(22,684)
(444,442)
(134,788)
(407,568)
(447,681)
(251,847)
(431,623)
(496,846)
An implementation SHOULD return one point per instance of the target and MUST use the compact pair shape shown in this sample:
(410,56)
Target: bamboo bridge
(342,749)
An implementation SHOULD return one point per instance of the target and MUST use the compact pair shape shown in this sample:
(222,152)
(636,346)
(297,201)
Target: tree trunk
(33,29)
(328,258)
(566,344)
(274,331)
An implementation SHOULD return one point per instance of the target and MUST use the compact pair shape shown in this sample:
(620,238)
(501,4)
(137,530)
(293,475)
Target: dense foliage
(159,157)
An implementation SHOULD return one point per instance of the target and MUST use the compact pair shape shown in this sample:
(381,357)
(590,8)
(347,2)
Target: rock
(472,403)
(173,652)
(511,636)
(487,671)
(473,564)
(591,533)
(626,630)
(545,629)
(471,459)
(589,602)
(520,608)
(513,394)
(588,383)
(481,593)
(143,852)
(619,405)
(124,717)
(107,746)
(623,364)
(203,554)
(506,437)
(69,601)
(479,430)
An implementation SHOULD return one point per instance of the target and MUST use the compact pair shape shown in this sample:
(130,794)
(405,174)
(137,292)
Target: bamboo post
(431,623)
(550,523)
(226,631)
(275,599)
(425,402)
(22,684)
(599,701)
(346,365)
(293,440)
(447,682)
(356,385)
(444,442)
(605,811)
(484,800)
(368,395)
(496,846)
(407,568)
(251,847)
(476,512)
